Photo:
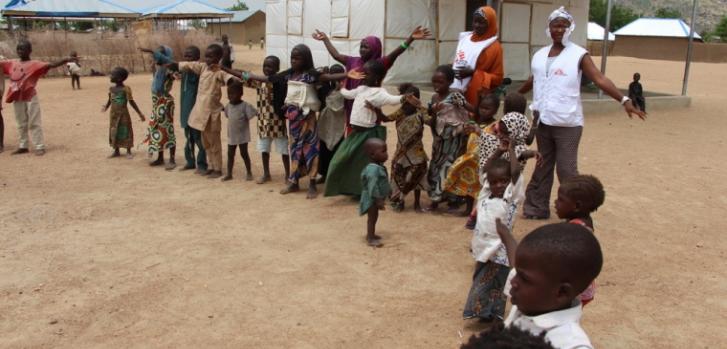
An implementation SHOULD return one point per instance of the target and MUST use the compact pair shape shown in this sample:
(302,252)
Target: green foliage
(239,6)
(667,12)
(721,29)
(620,15)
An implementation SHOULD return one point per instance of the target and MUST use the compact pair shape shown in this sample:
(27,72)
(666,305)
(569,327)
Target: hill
(709,12)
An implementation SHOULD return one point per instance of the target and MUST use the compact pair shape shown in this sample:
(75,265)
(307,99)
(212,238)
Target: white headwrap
(562,13)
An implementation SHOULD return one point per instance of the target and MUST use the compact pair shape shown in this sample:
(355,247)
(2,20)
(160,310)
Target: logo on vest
(559,72)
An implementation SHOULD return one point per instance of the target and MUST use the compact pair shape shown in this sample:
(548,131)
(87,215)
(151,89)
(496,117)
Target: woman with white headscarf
(557,109)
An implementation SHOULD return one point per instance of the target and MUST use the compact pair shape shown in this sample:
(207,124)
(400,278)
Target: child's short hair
(24,43)
(372,144)
(447,70)
(585,189)
(515,102)
(375,70)
(501,164)
(336,69)
(194,49)
(571,251)
(408,87)
(491,98)
(234,85)
(500,337)
(216,49)
(122,73)
(274,59)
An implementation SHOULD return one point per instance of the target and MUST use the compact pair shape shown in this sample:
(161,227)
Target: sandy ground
(98,252)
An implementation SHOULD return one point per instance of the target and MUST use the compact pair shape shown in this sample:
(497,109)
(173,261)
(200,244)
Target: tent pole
(65,32)
(604,47)
(692,26)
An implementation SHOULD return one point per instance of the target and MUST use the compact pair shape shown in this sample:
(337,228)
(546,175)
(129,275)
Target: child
(238,113)
(271,120)
(160,133)
(375,187)
(121,132)
(332,121)
(74,69)
(577,197)
(502,192)
(636,93)
(300,106)
(500,337)
(553,265)
(409,164)
(349,159)
(450,109)
(24,75)
(463,177)
(187,97)
(228,55)
(205,115)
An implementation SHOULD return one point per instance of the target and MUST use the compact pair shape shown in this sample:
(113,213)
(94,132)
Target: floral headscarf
(517,125)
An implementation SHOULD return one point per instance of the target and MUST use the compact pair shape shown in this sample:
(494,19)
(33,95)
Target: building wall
(670,49)
(239,33)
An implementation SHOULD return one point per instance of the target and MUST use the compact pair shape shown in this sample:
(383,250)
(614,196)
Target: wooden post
(689,48)
(604,47)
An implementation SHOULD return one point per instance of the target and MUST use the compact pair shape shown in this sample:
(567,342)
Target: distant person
(262,42)
(228,54)
(249,44)
(74,70)
(375,187)
(121,131)
(24,74)
(238,113)
(636,93)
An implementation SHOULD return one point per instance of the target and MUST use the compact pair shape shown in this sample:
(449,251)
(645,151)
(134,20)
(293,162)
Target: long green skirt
(344,172)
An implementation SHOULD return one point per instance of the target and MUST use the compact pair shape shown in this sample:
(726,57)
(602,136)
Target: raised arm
(351,74)
(418,34)
(321,36)
(605,84)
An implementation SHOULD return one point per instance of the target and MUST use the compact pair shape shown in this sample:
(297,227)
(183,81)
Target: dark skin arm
(605,84)
(515,167)
(418,34)
(529,154)
(321,36)
(138,111)
(534,128)
(57,64)
(507,239)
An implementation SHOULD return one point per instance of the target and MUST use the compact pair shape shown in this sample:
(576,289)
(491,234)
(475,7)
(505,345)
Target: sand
(98,252)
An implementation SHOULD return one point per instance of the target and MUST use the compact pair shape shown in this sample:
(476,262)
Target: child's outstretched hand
(142,118)
(177,75)
(319,35)
(412,99)
(538,159)
(147,50)
(420,33)
(104,108)
(437,107)
(472,128)
(381,204)
(504,143)
(355,75)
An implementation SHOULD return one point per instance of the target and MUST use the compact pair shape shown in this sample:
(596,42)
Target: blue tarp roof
(187,9)
(61,8)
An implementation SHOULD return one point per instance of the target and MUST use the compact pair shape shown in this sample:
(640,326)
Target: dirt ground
(98,252)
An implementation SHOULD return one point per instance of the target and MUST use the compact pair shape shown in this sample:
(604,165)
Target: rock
(53,322)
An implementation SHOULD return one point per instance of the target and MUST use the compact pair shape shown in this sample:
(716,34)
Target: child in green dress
(121,132)
(375,187)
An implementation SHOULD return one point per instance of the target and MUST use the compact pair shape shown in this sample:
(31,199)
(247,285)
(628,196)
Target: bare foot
(215,174)
(312,193)
(187,168)
(374,241)
(114,155)
(227,178)
(291,188)
(263,179)
(170,166)
(418,209)
(157,162)
(248,177)
(40,152)
(129,156)
(20,151)
(204,172)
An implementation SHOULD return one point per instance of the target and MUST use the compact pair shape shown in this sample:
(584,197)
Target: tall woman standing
(556,82)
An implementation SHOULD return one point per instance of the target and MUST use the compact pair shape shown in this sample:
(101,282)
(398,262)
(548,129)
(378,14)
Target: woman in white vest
(478,60)
(557,109)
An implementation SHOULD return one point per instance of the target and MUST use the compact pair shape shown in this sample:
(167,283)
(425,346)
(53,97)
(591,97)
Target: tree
(620,15)
(239,6)
(667,12)
(721,29)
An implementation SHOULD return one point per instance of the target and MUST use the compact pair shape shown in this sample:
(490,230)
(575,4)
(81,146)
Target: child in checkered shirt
(271,120)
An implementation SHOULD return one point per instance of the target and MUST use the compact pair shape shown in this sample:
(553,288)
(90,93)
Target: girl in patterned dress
(301,105)
(121,132)
(160,133)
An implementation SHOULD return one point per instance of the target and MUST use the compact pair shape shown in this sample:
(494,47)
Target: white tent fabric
(76,8)
(662,27)
(187,9)
(595,32)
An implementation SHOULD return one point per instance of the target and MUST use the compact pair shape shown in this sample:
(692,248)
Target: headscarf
(562,13)
(489,14)
(517,125)
(160,75)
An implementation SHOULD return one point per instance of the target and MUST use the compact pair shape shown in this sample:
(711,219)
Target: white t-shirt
(562,328)
(73,67)
(378,96)
(486,243)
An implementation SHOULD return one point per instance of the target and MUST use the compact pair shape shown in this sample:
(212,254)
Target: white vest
(466,56)
(557,91)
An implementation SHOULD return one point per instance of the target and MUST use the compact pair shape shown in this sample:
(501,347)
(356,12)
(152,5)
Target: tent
(522,29)
(595,32)
(70,9)
(187,9)
(657,27)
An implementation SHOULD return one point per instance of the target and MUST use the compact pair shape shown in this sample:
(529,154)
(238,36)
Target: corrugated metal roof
(61,8)
(595,32)
(187,9)
(662,27)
